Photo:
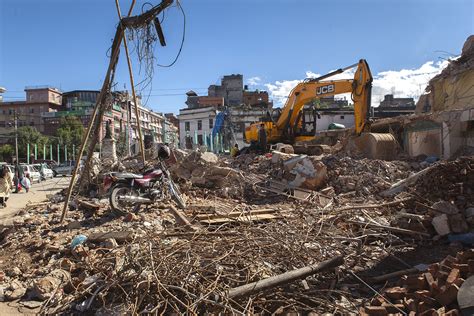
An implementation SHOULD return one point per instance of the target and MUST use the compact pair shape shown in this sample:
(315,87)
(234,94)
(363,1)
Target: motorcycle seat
(128,175)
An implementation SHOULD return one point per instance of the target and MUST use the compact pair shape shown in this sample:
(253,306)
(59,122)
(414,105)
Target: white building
(326,117)
(151,124)
(241,117)
(195,125)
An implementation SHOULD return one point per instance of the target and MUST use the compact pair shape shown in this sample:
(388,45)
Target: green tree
(70,133)
(29,135)
(6,152)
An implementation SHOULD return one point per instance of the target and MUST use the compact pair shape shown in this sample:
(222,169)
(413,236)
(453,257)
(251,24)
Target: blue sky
(64,43)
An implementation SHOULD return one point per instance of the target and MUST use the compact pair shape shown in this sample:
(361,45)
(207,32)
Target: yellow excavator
(289,126)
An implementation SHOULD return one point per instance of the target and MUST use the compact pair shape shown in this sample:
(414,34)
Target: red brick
(432,283)
(376,310)
(377,301)
(463,267)
(414,282)
(395,293)
(448,296)
(453,276)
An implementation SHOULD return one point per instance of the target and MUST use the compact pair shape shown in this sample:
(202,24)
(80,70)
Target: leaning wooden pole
(98,105)
(132,83)
(130,21)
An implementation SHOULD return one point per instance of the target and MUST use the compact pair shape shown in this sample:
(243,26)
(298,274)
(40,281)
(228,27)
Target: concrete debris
(249,220)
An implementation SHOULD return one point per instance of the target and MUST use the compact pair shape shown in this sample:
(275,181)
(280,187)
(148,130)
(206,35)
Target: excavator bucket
(376,145)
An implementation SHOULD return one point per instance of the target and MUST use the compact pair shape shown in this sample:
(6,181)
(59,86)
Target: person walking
(5,185)
(19,174)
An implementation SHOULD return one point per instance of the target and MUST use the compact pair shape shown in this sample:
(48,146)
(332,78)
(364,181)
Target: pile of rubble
(236,231)
(436,291)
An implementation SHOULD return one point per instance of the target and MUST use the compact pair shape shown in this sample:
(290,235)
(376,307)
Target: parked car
(44,170)
(31,173)
(49,162)
(65,168)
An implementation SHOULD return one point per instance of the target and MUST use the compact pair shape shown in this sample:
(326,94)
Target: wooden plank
(242,219)
(236,214)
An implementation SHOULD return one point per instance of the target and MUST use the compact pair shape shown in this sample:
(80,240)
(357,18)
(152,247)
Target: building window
(200,142)
(10,111)
(342,117)
(199,125)
(32,110)
(187,126)
(32,123)
(211,123)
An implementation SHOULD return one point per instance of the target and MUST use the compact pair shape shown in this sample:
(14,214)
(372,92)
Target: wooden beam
(284,278)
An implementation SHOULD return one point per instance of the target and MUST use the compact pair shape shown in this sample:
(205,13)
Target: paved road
(37,193)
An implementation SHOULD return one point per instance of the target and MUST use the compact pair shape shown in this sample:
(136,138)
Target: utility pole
(16,137)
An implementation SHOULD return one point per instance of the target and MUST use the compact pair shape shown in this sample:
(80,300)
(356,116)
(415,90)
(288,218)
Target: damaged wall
(453,88)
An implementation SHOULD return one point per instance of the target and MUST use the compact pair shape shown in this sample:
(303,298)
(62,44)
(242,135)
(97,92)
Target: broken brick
(463,267)
(377,301)
(453,276)
(453,312)
(395,293)
(376,310)
(414,282)
(448,296)
(432,283)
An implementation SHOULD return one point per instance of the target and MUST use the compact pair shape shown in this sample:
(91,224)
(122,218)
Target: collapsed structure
(275,233)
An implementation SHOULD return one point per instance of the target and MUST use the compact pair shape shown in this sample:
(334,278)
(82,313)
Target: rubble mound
(449,180)
(365,176)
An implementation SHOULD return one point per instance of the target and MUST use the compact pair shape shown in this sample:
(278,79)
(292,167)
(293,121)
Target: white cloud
(401,83)
(254,81)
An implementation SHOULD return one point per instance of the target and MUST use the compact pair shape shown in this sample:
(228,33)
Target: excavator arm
(310,89)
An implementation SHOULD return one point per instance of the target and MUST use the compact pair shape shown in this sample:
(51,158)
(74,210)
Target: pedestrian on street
(5,185)
(19,175)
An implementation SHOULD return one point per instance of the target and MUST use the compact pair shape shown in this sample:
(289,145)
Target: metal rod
(132,83)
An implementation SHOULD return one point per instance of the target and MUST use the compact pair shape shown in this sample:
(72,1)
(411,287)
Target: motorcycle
(129,191)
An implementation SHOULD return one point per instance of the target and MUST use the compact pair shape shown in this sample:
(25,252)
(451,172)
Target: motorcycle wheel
(176,195)
(122,207)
